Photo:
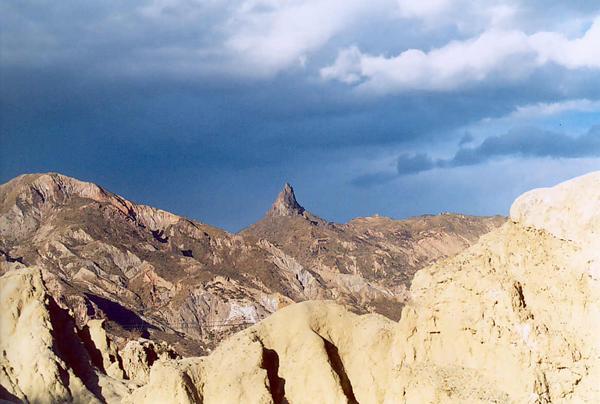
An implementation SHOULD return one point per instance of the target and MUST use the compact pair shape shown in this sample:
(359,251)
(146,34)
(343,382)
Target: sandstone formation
(515,318)
(43,358)
(160,276)
(307,352)
(106,353)
(138,357)
(47,359)
(561,211)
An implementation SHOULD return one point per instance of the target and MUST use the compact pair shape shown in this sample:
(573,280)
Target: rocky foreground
(515,318)
(154,274)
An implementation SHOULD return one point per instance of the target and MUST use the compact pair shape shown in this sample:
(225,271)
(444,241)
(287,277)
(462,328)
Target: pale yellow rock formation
(519,309)
(515,318)
(569,210)
(42,357)
(138,357)
(171,382)
(519,312)
(105,348)
(307,352)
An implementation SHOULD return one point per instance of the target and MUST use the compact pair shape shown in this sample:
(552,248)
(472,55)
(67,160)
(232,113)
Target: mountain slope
(157,274)
(514,318)
(139,266)
(379,250)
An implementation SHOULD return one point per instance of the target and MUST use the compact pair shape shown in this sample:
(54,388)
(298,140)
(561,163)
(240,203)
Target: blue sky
(396,107)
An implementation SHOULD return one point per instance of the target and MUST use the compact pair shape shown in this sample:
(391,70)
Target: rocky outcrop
(286,203)
(521,308)
(43,358)
(561,211)
(138,357)
(514,318)
(173,382)
(304,351)
(160,276)
(47,359)
(103,350)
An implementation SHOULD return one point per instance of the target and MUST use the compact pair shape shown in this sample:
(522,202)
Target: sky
(394,107)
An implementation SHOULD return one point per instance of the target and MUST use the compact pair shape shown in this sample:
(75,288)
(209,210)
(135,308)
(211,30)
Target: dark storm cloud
(466,139)
(528,142)
(519,142)
(147,95)
(409,164)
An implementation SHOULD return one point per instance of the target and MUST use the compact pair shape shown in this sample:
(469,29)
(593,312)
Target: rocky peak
(286,204)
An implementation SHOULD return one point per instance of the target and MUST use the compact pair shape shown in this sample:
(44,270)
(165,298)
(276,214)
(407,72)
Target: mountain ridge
(104,256)
(513,318)
(128,201)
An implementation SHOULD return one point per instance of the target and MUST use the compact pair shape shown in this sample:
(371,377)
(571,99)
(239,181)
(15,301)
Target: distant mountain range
(155,274)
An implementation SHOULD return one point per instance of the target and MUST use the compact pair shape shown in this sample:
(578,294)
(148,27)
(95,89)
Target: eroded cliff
(154,274)
(514,318)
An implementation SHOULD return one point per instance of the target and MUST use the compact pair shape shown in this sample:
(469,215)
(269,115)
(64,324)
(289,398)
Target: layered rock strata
(160,276)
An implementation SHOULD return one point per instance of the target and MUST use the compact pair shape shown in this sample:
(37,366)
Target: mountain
(513,318)
(286,204)
(372,259)
(159,275)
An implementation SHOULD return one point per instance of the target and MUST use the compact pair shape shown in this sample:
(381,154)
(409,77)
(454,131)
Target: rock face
(43,358)
(286,203)
(138,356)
(561,211)
(515,318)
(157,275)
(107,355)
(307,351)
(368,263)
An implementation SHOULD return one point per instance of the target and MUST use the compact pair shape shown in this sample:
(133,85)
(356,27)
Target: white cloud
(465,15)
(273,35)
(572,54)
(347,66)
(444,68)
(506,54)
(259,38)
(423,9)
(555,108)
(267,36)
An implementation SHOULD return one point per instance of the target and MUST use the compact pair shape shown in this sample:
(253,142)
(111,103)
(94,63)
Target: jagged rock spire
(286,204)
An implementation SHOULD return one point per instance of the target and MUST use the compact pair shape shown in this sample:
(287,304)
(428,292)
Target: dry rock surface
(513,319)
(156,275)
(44,359)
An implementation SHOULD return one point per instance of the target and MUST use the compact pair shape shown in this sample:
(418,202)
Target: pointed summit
(286,204)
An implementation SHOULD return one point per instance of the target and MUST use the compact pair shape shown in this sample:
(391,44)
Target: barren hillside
(159,275)
(512,319)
